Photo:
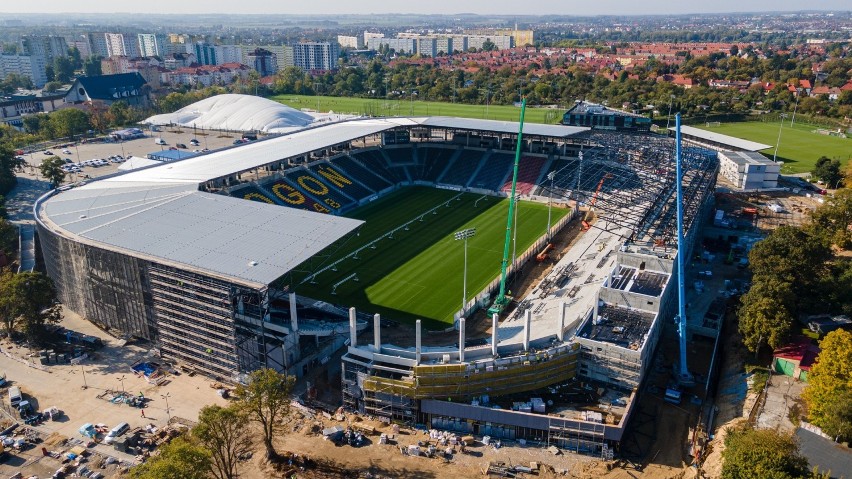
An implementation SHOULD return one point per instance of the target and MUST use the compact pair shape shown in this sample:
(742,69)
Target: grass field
(381,107)
(418,274)
(800,147)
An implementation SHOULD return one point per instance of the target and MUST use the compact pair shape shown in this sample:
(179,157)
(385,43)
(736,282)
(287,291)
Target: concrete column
(561,333)
(461,339)
(294,320)
(417,344)
(527,324)
(494,334)
(353,328)
(377,333)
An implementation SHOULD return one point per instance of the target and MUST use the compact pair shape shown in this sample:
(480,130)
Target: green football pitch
(418,273)
(382,107)
(801,145)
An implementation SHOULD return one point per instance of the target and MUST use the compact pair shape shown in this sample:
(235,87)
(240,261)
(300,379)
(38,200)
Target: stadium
(279,252)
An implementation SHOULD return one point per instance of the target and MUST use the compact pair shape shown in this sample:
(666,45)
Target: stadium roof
(720,139)
(158,213)
(229,237)
(511,127)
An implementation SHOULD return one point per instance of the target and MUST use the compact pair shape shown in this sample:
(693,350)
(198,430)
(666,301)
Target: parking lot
(82,154)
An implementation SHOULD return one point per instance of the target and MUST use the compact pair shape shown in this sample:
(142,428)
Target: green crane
(502,300)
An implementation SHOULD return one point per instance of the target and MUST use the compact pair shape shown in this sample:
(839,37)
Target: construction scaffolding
(639,191)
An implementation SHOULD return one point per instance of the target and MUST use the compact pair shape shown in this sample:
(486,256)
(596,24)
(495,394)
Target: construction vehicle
(541,256)
(590,214)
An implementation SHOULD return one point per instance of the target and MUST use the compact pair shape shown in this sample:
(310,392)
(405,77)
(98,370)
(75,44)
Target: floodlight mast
(501,301)
(684,377)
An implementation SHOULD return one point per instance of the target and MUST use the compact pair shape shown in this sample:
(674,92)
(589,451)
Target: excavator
(590,214)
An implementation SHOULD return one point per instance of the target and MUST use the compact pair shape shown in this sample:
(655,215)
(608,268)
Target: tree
(28,301)
(51,87)
(51,169)
(8,237)
(830,385)
(766,313)
(9,164)
(834,218)
(828,170)
(63,68)
(266,400)
(92,66)
(119,113)
(225,434)
(488,46)
(179,459)
(69,122)
(794,256)
(761,453)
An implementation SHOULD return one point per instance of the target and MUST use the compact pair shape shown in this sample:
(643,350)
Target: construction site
(566,366)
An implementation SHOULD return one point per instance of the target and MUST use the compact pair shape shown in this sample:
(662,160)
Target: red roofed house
(795,359)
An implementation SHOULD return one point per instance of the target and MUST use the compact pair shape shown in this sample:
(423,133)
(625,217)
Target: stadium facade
(174,254)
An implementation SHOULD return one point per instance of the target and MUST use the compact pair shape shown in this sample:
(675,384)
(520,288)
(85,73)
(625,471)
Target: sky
(499,7)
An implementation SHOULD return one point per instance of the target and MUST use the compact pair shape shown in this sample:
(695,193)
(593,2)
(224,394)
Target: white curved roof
(235,112)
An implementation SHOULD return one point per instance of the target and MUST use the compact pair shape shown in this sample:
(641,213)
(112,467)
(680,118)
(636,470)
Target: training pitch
(418,273)
(801,145)
(400,107)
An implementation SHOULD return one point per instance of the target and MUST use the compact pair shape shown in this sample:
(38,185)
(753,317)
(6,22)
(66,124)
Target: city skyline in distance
(482,7)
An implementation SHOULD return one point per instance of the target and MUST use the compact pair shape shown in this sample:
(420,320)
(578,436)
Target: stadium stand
(375,161)
(493,173)
(288,194)
(463,168)
(370,179)
(529,169)
(322,190)
(435,161)
(400,156)
(251,192)
(335,177)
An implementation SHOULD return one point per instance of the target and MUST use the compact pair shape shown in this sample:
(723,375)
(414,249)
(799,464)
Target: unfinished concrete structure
(596,317)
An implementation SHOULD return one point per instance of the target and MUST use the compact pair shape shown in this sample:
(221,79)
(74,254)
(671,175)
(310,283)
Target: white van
(160,141)
(15,396)
(115,432)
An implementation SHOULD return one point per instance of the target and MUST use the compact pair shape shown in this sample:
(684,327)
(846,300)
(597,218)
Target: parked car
(48,152)
(68,160)
(194,142)
(66,151)
(115,432)
(160,141)
(180,145)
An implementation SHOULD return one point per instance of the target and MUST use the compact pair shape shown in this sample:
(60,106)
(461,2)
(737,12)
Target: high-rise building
(427,46)
(115,45)
(150,45)
(404,46)
(263,62)
(230,54)
(370,36)
(501,42)
(205,53)
(346,41)
(316,55)
(81,43)
(98,44)
(444,45)
(33,67)
(115,65)
(47,46)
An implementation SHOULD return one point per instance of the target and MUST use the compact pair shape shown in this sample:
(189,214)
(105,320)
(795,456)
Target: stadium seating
(400,156)
(462,168)
(251,192)
(493,173)
(529,169)
(321,189)
(336,178)
(370,179)
(375,161)
(288,194)
(434,161)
